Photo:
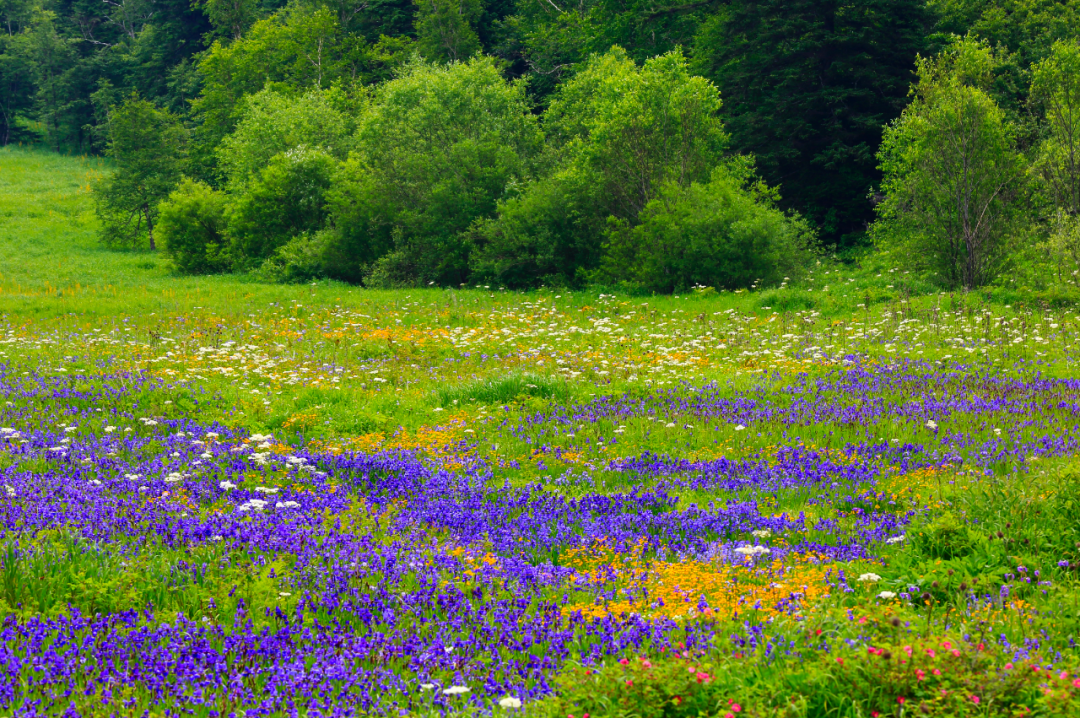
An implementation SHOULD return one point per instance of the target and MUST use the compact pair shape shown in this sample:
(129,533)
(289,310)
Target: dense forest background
(655,144)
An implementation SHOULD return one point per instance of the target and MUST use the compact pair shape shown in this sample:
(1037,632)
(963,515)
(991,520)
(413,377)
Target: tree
(807,87)
(16,86)
(271,123)
(1027,28)
(435,150)
(953,177)
(444,29)
(52,58)
(552,38)
(231,17)
(630,130)
(620,134)
(295,51)
(147,146)
(1055,90)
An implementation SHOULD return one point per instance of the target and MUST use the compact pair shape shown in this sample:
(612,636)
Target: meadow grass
(855,496)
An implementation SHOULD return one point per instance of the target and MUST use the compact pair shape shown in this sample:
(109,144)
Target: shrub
(539,236)
(192,228)
(725,233)
(287,200)
(301,259)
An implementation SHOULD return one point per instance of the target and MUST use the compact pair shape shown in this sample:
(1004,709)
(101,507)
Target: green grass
(52,263)
(453,374)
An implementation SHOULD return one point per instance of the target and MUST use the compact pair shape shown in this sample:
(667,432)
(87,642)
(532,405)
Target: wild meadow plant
(231,499)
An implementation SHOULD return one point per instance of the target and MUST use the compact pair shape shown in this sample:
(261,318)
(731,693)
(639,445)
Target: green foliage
(807,87)
(271,123)
(1055,87)
(60,571)
(626,131)
(147,146)
(953,177)
(287,200)
(301,259)
(554,39)
(542,235)
(620,133)
(231,17)
(191,224)
(725,233)
(17,72)
(436,148)
(444,29)
(1026,28)
(297,50)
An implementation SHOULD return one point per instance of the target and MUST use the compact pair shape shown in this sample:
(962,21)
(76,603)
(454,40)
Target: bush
(539,236)
(301,259)
(192,227)
(725,233)
(287,200)
(436,148)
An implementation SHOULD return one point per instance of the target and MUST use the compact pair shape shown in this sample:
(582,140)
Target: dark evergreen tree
(807,87)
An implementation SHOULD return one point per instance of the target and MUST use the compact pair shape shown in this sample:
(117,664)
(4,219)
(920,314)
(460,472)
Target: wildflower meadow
(221,498)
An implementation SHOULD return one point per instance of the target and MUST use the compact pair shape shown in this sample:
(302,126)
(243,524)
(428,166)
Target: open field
(225,498)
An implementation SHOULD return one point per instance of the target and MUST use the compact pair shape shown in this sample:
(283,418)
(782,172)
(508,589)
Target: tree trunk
(149,226)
